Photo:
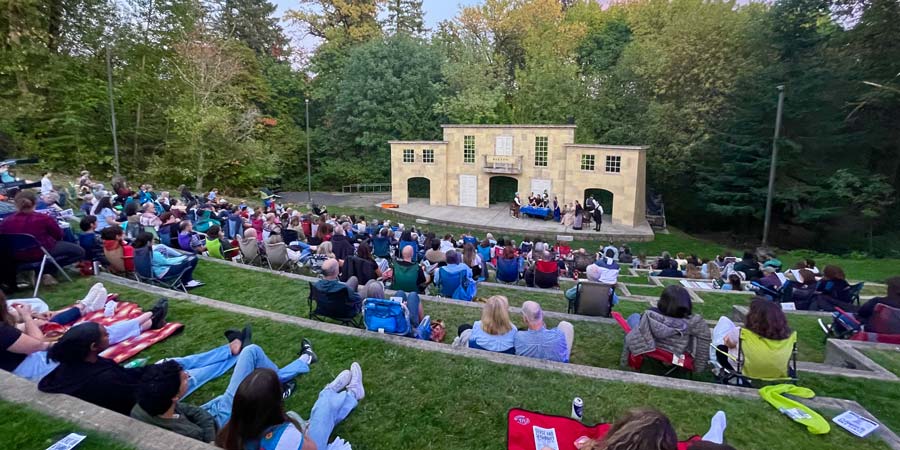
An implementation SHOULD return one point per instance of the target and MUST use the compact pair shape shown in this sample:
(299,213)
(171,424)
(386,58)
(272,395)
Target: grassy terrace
(29,429)
(890,360)
(417,399)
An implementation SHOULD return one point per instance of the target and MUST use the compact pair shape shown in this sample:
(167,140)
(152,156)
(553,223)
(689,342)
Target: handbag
(386,316)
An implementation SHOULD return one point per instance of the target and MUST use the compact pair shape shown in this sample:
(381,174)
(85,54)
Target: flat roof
(418,142)
(611,147)
(505,126)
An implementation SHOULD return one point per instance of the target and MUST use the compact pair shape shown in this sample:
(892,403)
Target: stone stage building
(476,165)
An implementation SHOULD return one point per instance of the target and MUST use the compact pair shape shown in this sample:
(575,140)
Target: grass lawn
(647,291)
(29,429)
(629,279)
(888,359)
(418,399)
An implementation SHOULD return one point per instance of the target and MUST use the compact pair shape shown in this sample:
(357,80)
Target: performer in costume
(516,205)
(598,215)
(557,214)
(579,216)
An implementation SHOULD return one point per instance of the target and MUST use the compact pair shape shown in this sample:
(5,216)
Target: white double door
(468,190)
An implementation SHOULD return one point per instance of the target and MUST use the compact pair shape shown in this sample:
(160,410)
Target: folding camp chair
(470,240)
(406,277)
(205,221)
(121,261)
(772,294)
(143,271)
(685,362)
(381,247)
(884,326)
(592,299)
(415,246)
(546,274)
(250,251)
(215,250)
(759,360)
(277,256)
(234,227)
(855,291)
(581,261)
(449,282)
(13,244)
(334,305)
(508,270)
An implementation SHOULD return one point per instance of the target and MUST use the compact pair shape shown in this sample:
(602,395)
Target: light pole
(308,166)
(768,219)
(112,107)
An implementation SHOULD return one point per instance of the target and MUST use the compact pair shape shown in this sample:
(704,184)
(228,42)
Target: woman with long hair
(495,331)
(258,418)
(472,259)
(106,215)
(638,429)
(832,291)
(764,318)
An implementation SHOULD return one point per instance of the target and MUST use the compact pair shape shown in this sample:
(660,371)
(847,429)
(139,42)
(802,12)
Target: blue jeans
(412,304)
(330,409)
(206,366)
(251,358)
(634,320)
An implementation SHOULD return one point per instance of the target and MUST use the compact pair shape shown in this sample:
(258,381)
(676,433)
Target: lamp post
(769,197)
(308,166)
(112,106)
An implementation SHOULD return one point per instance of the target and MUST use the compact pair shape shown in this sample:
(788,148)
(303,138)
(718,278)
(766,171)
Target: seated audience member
(447,243)
(434,255)
(258,420)
(892,299)
(765,319)
(641,262)
(681,260)
(168,262)
(45,230)
(363,265)
(811,265)
(693,271)
(710,270)
(472,260)
(257,222)
(325,249)
(454,265)
(163,385)
(87,204)
(225,246)
(625,256)
(663,262)
(670,326)
(406,260)
(832,291)
(605,271)
(671,271)
(168,228)
(770,278)
(149,218)
(330,282)
(638,429)
(271,225)
(749,266)
(24,352)
(188,240)
(495,331)
(114,240)
(733,284)
(89,239)
(340,244)
(539,342)
(252,238)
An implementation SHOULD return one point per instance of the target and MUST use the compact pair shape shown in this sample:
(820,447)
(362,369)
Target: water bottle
(140,362)
(577,408)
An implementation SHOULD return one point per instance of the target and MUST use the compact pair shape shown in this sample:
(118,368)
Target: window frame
(587,157)
(412,153)
(425,153)
(467,147)
(545,148)
(613,162)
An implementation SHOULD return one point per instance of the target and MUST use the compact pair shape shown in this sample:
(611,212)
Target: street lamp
(308,166)
(768,219)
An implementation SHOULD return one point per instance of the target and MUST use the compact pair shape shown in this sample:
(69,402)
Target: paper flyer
(545,439)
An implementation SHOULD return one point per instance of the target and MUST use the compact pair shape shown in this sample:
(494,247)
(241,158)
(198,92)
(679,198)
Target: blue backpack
(386,316)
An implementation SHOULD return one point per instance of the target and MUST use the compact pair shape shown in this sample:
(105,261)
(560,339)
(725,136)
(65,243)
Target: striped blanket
(130,347)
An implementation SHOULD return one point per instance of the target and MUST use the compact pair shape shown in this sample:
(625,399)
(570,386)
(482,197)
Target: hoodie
(678,336)
(103,383)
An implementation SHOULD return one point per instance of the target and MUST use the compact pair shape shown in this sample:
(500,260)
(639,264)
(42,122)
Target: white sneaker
(90,301)
(100,299)
(193,284)
(356,384)
(340,382)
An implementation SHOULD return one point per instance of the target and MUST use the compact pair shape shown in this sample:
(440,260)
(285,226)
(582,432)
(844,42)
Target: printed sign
(855,423)
(67,443)
(545,439)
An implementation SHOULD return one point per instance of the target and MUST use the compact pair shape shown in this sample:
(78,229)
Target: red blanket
(527,429)
(128,348)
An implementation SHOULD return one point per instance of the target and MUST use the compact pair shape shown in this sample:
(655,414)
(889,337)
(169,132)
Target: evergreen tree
(253,23)
(406,16)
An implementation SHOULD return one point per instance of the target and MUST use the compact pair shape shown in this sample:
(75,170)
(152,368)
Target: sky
(435,11)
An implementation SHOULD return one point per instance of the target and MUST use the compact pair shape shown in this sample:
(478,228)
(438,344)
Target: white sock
(716,433)
(305,358)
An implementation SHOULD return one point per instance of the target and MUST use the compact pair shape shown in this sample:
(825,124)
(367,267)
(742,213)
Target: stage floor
(497,218)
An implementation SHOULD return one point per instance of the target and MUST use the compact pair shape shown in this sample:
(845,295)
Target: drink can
(577,408)
(96,267)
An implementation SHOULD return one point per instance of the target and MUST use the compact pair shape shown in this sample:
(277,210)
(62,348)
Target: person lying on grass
(649,429)
(164,385)
(258,419)
(24,349)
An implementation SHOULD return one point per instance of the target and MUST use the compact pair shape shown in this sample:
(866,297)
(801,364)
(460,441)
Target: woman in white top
(494,332)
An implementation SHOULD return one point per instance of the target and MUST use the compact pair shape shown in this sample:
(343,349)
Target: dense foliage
(210,93)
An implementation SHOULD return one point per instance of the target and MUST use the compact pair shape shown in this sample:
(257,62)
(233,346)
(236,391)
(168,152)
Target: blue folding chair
(470,240)
(143,271)
(508,270)
(15,244)
(415,246)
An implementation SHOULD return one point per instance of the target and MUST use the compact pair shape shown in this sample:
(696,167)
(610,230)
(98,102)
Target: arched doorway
(603,196)
(418,187)
(503,189)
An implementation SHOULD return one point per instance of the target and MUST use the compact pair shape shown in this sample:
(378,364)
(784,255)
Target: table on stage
(536,211)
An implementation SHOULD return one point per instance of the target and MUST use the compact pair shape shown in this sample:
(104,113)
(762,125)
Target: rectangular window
(428,156)
(540,151)
(613,164)
(587,162)
(503,146)
(409,155)
(469,149)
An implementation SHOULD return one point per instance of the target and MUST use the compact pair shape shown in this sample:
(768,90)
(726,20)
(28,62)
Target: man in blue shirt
(542,343)
(330,283)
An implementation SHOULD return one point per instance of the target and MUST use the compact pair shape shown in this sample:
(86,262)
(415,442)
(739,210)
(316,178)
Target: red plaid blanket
(128,348)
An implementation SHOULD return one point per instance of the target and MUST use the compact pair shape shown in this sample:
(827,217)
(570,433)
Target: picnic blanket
(529,430)
(124,311)
(698,284)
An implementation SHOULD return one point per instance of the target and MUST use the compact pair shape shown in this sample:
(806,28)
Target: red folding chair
(665,357)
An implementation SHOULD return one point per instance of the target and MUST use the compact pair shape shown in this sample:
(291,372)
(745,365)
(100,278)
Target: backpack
(386,316)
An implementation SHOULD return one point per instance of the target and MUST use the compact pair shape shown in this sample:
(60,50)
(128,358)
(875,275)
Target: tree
(870,197)
(253,23)
(406,16)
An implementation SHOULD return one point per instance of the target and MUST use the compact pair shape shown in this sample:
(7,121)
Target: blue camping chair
(88,242)
(508,270)
(143,271)
(415,246)
(470,240)
(234,228)
(449,282)
(14,243)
